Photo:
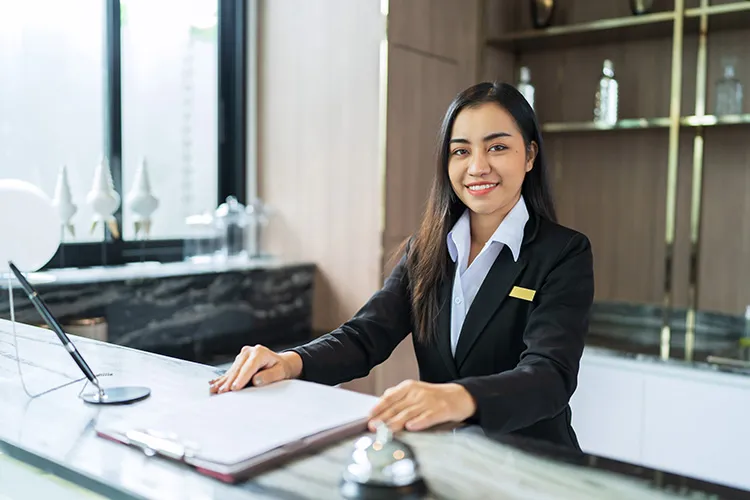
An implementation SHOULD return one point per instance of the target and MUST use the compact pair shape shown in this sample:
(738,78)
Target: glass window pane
(52,97)
(169,108)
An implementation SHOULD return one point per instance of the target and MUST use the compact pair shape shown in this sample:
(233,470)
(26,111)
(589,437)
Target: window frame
(232,105)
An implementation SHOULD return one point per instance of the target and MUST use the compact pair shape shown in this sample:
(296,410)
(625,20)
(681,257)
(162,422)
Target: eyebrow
(488,137)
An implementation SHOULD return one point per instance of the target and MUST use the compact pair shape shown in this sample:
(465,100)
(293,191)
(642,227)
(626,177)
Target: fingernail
(258,381)
(235,386)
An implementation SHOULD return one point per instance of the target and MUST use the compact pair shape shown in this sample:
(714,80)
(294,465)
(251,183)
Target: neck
(483,226)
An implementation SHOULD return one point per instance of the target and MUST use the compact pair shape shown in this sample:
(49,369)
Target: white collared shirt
(469,278)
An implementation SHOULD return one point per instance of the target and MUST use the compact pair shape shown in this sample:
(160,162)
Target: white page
(231,427)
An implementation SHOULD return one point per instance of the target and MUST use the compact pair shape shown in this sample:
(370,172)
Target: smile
(479,189)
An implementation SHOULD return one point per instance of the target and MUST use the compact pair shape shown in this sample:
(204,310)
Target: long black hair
(427,259)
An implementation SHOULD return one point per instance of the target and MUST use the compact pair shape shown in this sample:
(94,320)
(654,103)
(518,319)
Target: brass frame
(672,171)
(697,185)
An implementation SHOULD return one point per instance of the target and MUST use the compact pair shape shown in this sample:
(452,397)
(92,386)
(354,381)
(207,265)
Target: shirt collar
(510,232)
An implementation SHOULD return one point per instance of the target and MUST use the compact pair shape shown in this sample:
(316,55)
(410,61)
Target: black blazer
(518,358)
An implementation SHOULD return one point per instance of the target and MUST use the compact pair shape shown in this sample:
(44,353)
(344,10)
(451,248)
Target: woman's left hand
(418,405)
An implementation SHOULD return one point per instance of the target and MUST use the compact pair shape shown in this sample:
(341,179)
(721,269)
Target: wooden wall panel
(724,270)
(437,28)
(420,89)
(613,191)
(433,54)
(319,154)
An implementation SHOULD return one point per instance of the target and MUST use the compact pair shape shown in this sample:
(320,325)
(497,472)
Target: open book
(235,435)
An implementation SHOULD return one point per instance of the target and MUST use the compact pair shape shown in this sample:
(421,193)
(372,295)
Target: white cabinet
(698,427)
(679,419)
(608,410)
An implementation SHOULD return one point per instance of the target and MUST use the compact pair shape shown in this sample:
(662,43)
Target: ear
(531,153)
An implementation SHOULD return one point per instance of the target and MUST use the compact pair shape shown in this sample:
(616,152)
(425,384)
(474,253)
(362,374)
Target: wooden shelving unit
(646,172)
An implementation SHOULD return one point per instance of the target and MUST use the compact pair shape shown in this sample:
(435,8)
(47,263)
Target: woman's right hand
(260,365)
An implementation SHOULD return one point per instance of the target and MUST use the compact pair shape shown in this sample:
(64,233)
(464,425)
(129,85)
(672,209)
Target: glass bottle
(728,93)
(525,87)
(605,109)
(230,220)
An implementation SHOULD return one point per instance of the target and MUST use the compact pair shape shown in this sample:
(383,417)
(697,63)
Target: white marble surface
(60,427)
(148,270)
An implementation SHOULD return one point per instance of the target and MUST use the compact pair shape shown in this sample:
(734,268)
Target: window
(170,108)
(127,80)
(52,97)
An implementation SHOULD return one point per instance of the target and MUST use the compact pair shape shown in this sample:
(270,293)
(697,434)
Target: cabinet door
(608,410)
(699,427)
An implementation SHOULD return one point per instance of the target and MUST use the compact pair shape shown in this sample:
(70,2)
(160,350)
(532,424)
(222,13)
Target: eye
(498,147)
(459,152)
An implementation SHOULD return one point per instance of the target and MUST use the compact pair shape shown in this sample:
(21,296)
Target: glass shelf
(726,16)
(646,123)
(714,121)
(604,30)
(627,124)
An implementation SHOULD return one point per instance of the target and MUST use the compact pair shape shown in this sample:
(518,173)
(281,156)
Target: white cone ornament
(141,201)
(103,199)
(63,201)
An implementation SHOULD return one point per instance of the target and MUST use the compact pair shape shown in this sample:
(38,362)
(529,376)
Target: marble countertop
(710,354)
(148,270)
(57,431)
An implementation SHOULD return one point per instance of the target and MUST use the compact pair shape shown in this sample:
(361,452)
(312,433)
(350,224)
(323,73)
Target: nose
(479,165)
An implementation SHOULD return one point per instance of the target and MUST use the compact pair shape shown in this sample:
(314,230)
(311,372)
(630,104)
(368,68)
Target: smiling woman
(497,294)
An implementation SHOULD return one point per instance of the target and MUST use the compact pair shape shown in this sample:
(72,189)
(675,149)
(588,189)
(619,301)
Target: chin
(482,207)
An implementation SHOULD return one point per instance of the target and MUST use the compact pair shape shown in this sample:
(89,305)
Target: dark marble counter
(634,331)
(190,311)
(54,434)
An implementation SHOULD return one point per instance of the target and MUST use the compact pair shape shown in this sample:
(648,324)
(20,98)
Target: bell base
(117,395)
(354,490)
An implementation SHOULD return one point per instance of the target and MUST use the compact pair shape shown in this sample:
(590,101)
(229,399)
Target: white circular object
(29,226)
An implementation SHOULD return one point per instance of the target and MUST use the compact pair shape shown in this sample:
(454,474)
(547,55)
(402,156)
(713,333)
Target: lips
(481,189)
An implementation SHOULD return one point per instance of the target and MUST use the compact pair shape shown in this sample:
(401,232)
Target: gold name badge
(522,293)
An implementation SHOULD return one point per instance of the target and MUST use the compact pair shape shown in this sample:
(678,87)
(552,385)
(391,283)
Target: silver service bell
(382,467)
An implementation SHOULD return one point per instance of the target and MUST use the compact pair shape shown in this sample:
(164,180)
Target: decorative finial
(141,201)
(103,198)
(63,200)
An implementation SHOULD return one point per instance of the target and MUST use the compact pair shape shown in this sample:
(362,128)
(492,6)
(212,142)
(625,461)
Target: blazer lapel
(443,337)
(495,288)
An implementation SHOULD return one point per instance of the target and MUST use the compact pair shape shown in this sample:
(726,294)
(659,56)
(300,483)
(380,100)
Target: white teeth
(481,186)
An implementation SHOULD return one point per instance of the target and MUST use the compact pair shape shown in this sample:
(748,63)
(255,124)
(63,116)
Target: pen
(54,325)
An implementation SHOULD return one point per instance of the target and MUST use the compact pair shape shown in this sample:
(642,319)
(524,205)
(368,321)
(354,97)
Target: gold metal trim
(697,184)
(672,170)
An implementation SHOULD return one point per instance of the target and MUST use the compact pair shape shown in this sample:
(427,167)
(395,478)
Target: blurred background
(268,157)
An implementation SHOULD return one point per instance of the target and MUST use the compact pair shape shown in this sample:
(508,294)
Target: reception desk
(48,442)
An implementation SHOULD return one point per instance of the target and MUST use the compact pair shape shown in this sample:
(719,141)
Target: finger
(234,370)
(397,422)
(255,362)
(424,420)
(388,399)
(269,375)
(219,377)
(388,413)
(215,385)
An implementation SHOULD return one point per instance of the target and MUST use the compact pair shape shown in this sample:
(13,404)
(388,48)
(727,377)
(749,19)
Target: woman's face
(488,159)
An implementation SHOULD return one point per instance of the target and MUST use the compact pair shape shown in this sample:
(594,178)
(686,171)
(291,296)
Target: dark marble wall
(203,317)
